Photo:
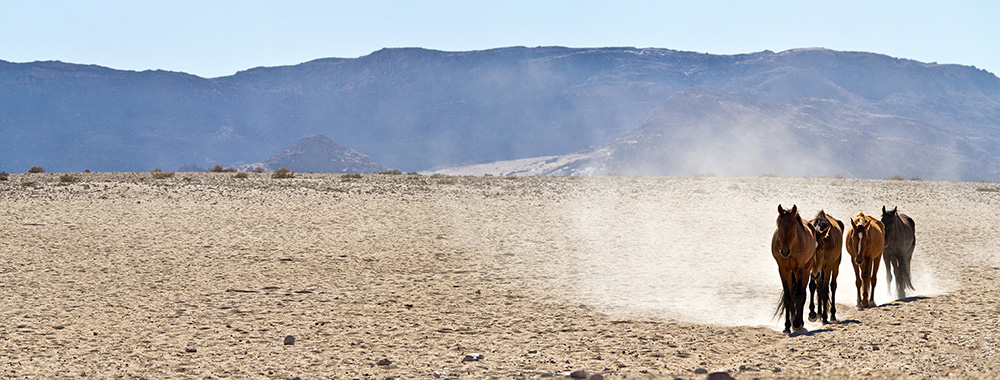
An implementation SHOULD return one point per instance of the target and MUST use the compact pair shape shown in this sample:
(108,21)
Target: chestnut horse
(793,246)
(898,250)
(864,243)
(829,239)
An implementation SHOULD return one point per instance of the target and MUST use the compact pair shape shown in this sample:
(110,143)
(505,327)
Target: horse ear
(794,210)
(780,210)
(894,210)
(883,210)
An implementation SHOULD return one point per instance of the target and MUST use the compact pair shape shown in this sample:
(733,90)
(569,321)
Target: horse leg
(812,294)
(824,295)
(874,276)
(801,283)
(857,281)
(833,295)
(865,282)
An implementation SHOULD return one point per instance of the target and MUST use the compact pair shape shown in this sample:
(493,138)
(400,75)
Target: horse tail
(904,274)
(780,309)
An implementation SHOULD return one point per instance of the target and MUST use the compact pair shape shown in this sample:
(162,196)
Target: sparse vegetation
(67,178)
(392,172)
(36,169)
(282,173)
(3,176)
(351,176)
(160,174)
(769,175)
(446,181)
(259,169)
(896,177)
(412,173)
(241,175)
(915,179)
(216,169)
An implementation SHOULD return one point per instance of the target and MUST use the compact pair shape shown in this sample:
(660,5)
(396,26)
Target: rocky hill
(319,154)
(418,109)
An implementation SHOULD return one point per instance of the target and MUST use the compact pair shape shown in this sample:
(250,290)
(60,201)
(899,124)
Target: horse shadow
(904,300)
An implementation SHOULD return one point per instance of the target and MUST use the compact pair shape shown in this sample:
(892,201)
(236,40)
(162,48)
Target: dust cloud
(697,249)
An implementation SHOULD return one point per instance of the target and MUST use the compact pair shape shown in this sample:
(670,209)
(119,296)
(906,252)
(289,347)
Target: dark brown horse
(793,246)
(829,239)
(899,242)
(864,243)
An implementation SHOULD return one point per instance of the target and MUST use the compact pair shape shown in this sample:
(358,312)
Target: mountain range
(588,111)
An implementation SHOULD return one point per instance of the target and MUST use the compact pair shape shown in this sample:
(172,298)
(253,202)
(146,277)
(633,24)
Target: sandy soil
(204,275)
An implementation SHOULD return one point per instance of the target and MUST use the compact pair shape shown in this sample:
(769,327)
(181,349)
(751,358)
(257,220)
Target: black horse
(898,250)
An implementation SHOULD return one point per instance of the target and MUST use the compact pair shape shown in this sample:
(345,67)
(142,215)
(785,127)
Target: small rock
(532,351)
(597,376)
(383,362)
(776,369)
(548,374)
(720,376)
(700,371)
(289,340)
(472,357)
(190,349)
(579,374)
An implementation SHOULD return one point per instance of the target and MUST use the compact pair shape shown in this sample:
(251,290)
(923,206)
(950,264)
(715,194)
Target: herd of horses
(808,254)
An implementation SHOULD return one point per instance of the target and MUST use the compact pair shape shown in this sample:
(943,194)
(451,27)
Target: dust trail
(698,249)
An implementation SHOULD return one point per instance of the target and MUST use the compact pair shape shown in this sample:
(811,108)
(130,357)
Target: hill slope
(417,109)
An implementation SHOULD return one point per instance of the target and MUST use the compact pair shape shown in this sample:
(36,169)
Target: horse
(899,243)
(793,246)
(829,239)
(864,242)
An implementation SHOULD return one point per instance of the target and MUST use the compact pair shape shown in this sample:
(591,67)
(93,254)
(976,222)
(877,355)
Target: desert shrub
(447,181)
(438,175)
(412,173)
(241,175)
(351,176)
(282,173)
(838,176)
(915,179)
(229,170)
(216,169)
(86,170)
(36,169)
(160,174)
(3,176)
(392,172)
(896,177)
(67,178)
(259,169)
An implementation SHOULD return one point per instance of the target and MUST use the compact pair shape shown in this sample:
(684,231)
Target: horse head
(889,216)
(822,236)
(787,221)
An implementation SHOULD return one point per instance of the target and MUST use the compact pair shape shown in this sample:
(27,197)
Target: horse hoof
(801,330)
(812,317)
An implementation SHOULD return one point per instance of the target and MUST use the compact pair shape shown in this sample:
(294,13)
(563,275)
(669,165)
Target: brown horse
(899,243)
(829,238)
(864,243)
(793,246)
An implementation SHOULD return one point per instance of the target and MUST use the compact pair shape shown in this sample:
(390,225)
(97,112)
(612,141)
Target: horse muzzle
(785,252)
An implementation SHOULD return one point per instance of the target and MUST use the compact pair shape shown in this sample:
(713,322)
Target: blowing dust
(697,249)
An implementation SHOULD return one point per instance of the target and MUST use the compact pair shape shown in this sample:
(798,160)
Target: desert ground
(203,276)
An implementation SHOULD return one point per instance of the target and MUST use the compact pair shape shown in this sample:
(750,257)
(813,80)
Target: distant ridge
(418,109)
(320,154)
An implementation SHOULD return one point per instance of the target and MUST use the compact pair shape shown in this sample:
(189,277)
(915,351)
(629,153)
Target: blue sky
(217,38)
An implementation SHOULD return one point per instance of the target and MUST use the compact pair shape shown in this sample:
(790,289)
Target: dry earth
(204,275)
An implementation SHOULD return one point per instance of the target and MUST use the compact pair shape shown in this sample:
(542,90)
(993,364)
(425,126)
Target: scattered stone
(383,362)
(548,374)
(579,374)
(190,349)
(700,371)
(472,357)
(720,376)
(532,351)
(597,376)
(289,340)
(776,369)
